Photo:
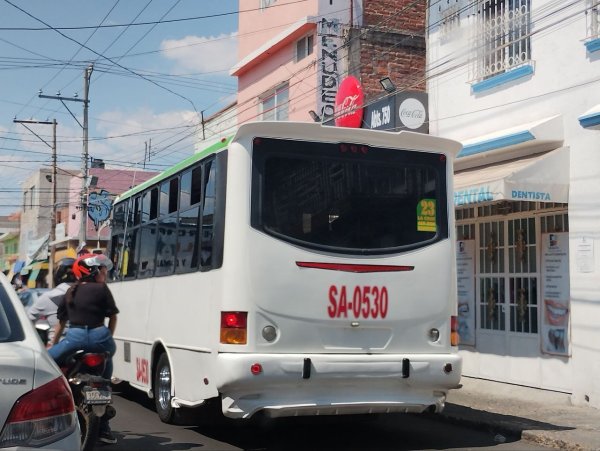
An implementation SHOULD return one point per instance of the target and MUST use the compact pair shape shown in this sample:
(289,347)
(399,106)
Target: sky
(157,66)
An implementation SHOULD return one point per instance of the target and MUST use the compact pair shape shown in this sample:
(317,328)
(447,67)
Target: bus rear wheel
(163,390)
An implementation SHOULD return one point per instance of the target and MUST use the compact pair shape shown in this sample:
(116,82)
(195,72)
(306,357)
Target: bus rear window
(348,198)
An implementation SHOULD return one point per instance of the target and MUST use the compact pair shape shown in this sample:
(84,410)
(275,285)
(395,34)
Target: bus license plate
(97,396)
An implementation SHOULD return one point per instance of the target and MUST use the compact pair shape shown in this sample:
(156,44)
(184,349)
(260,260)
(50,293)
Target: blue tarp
(18,265)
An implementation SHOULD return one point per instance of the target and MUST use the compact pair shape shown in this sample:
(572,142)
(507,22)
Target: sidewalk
(539,416)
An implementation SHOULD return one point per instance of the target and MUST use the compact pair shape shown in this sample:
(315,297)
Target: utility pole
(53,220)
(54,181)
(84,157)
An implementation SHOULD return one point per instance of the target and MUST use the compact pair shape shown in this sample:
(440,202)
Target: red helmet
(88,265)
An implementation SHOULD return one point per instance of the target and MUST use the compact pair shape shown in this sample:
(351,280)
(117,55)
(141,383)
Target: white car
(36,404)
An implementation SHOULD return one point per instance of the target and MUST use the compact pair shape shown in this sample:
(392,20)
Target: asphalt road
(137,427)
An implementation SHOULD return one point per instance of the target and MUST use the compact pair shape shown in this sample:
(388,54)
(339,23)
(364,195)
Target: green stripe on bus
(216,147)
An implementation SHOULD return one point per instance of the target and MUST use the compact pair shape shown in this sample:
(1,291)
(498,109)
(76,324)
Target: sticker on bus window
(426,216)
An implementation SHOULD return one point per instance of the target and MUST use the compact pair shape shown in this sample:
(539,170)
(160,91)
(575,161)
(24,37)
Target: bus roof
(302,130)
(214,148)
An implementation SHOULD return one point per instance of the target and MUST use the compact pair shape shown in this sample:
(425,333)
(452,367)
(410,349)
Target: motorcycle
(92,393)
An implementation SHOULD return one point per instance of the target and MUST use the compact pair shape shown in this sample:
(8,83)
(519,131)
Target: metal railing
(593,19)
(502,40)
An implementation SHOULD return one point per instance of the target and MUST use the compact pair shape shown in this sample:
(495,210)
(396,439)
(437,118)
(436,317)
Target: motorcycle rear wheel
(89,424)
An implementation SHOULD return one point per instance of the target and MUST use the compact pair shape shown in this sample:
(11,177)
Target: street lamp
(387,84)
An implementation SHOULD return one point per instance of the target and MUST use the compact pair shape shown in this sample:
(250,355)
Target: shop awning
(25,269)
(520,141)
(591,118)
(64,253)
(538,178)
(18,266)
(32,278)
(34,266)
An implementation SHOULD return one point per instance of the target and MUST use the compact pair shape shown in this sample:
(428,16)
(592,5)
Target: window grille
(593,19)
(503,37)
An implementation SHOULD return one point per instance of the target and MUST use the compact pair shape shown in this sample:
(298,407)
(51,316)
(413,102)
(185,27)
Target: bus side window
(129,212)
(167,240)
(169,194)
(137,209)
(119,218)
(147,251)
(187,240)
(208,212)
(167,227)
(129,265)
(150,205)
(188,236)
(116,248)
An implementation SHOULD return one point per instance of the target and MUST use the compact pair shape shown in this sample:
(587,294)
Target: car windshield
(10,326)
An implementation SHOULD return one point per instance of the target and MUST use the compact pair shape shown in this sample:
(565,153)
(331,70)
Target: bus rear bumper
(292,384)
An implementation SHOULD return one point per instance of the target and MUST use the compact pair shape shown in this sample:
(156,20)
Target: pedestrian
(17,283)
(86,305)
(47,304)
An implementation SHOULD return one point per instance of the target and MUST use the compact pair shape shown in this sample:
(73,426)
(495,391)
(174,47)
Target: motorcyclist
(86,305)
(46,305)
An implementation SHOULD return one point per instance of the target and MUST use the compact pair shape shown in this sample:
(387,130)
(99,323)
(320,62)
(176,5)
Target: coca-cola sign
(412,113)
(406,110)
(349,102)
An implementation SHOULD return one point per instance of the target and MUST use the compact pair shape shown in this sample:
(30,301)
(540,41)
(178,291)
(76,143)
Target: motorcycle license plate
(97,396)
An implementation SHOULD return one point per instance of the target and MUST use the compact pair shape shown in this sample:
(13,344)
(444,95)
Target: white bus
(293,269)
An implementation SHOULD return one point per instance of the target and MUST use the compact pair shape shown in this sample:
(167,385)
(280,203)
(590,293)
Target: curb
(504,425)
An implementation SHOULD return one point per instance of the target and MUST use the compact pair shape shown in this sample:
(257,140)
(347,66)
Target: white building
(518,83)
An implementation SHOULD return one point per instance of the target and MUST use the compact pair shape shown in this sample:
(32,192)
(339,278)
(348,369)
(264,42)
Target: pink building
(291,57)
(294,55)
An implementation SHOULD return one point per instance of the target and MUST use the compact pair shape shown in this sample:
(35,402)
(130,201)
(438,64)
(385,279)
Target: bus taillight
(234,328)
(454,339)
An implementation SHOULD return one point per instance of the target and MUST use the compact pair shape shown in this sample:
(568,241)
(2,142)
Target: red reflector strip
(354,268)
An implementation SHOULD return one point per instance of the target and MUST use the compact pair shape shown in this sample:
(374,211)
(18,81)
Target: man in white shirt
(46,305)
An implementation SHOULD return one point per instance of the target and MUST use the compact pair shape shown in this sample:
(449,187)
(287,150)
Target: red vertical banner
(349,102)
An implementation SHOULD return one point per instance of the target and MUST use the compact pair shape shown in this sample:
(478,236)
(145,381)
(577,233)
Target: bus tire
(163,391)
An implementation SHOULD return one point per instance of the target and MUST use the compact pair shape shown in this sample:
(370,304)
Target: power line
(102,56)
(422,79)
(135,24)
